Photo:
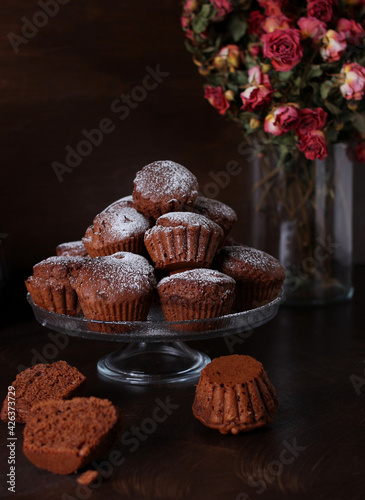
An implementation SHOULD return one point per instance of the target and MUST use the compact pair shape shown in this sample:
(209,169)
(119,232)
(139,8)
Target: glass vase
(303,217)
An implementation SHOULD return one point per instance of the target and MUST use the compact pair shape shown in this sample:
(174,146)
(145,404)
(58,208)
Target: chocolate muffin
(162,187)
(117,229)
(196,294)
(41,382)
(136,264)
(218,212)
(72,249)
(182,240)
(126,201)
(235,395)
(50,286)
(259,277)
(110,289)
(63,436)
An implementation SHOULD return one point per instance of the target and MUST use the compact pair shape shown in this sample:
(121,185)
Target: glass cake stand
(156,352)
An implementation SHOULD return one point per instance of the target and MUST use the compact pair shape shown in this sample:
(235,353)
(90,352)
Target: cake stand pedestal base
(146,363)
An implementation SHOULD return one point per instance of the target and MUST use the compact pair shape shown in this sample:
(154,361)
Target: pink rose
(310,119)
(312,28)
(321,9)
(229,56)
(255,23)
(360,152)
(257,77)
(223,7)
(354,81)
(270,127)
(282,120)
(216,98)
(352,30)
(256,97)
(272,7)
(313,145)
(334,45)
(286,117)
(283,48)
(279,22)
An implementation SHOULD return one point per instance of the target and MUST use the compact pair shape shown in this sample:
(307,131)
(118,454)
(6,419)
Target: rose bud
(254,123)
(273,23)
(313,145)
(256,97)
(354,81)
(311,27)
(283,48)
(254,49)
(216,98)
(190,5)
(334,45)
(229,95)
(229,56)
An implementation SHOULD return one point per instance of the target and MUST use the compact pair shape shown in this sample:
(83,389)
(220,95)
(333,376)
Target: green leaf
(325,89)
(314,71)
(201,20)
(241,77)
(331,107)
(359,122)
(331,134)
(218,42)
(189,47)
(237,26)
(278,94)
(233,87)
(285,76)
(207,11)
(315,86)
(297,82)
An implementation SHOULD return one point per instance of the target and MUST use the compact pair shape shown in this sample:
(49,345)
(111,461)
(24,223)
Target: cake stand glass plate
(156,352)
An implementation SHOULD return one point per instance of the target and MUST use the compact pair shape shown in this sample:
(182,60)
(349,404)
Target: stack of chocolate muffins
(165,230)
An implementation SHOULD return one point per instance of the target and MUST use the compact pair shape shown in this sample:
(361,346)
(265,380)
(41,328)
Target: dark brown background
(64,80)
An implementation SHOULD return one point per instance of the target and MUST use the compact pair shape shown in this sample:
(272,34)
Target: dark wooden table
(314,448)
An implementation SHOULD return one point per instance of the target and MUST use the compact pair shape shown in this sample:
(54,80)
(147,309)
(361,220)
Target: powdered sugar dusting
(120,222)
(57,266)
(71,244)
(136,263)
(187,219)
(200,276)
(110,277)
(72,249)
(63,260)
(235,257)
(165,178)
(214,209)
(126,201)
